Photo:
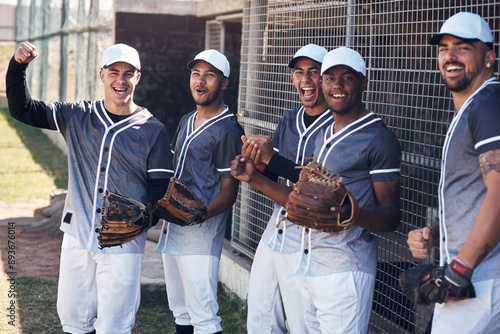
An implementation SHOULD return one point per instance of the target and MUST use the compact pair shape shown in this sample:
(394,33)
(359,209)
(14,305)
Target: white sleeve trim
(55,118)
(380,171)
(486,141)
(161,170)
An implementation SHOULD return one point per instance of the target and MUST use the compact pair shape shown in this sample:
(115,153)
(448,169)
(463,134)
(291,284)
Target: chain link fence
(70,36)
(405,89)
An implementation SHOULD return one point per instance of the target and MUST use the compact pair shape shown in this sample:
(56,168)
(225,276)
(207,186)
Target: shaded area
(43,151)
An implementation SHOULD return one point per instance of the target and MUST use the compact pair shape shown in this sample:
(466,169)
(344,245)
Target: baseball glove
(122,220)
(314,194)
(427,284)
(180,205)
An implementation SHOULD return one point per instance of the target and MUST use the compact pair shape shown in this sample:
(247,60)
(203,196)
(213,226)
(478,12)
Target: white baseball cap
(344,56)
(120,53)
(465,25)
(214,58)
(311,51)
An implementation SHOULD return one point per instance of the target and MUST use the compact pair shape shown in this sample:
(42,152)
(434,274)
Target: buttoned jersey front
(294,141)
(103,155)
(202,156)
(363,152)
(474,130)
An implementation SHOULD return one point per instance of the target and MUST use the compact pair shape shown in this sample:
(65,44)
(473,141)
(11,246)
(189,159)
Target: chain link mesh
(405,90)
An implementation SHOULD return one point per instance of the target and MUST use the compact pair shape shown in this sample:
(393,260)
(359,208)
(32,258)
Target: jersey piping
(443,241)
(192,134)
(107,128)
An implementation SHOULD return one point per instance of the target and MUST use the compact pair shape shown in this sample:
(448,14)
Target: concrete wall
(166,43)
(173,7)
(218,7)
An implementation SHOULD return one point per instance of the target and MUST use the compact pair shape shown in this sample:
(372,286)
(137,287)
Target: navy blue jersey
(201,158)
(102,155)
(294,141)
(475,129)
(363,152)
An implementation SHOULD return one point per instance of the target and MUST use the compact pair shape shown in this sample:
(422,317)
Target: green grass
(30,165)
(35,305)
(7,49)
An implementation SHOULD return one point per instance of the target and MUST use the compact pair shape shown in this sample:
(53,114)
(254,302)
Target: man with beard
(469,188)
(206,141)
(272,293)
(336,272)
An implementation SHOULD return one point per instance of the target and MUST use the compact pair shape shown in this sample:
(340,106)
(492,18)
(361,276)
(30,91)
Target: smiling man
(336,272)
(206,141)
(273,302)
(114,145)
(469,188)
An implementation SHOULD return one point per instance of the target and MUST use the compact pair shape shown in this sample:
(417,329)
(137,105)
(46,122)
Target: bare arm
(226,197)
(387,217)
(485,233)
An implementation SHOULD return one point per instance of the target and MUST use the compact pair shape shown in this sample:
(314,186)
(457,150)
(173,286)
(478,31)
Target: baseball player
(336,272)
(206,141)
(272,294)
(113,144)
(469,188)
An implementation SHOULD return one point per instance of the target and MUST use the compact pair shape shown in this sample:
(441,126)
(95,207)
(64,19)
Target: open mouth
(308,91)
(120,90)
(337,96)
(453,68)
(199,90)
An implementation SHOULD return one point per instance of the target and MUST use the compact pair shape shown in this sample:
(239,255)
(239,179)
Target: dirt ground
(37,241)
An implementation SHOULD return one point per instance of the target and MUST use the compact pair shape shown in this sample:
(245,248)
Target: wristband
(461,268)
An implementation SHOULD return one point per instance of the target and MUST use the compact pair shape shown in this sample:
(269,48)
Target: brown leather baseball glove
(122,220)
(180,205)
(314,194)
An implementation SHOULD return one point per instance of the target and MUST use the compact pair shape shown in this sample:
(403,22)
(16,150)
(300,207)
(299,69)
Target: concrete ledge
(234,270)
(152,276)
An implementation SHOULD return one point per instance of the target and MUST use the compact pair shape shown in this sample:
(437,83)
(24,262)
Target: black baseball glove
(427,284)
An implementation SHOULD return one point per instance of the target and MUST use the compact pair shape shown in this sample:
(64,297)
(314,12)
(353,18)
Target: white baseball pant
(337,303)
(473,315)
(97,291)
(273,295)
(191,282)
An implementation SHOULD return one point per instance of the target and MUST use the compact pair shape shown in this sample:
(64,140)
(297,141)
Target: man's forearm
(275,191)
(21,106)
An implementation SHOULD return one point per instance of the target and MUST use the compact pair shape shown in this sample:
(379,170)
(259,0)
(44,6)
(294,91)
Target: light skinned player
(113,144)
(206,141)
(469,190)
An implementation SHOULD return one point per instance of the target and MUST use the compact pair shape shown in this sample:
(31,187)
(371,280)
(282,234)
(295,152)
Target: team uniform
(272,295)
(102,155)
(191,254)
(473,131)
(336,272)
